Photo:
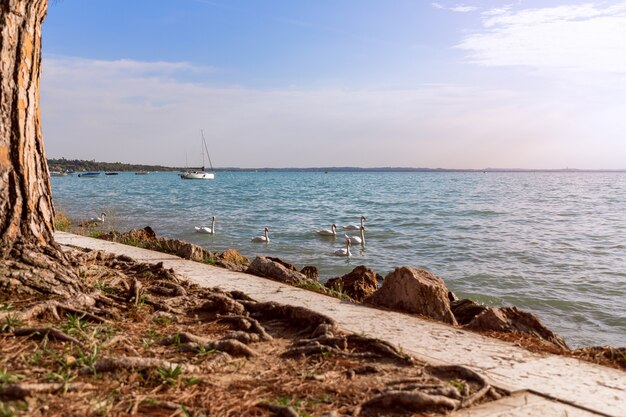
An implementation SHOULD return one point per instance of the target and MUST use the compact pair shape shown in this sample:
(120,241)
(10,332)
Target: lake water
(550,243)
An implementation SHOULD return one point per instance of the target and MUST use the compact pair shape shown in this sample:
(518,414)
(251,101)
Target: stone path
(543,385)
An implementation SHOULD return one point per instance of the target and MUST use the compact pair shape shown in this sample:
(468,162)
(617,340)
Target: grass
(62,223)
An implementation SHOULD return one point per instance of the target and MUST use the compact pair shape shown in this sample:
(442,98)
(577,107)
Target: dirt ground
(143,341)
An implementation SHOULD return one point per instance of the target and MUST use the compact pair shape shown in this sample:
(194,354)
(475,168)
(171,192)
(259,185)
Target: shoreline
(529,337)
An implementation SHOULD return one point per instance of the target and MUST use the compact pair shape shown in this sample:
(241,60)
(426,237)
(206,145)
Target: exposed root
(314,348)
(458,371)
(243,337)
(46,332)
(300,317)
(278,410)
(134,293)
(221,304)
(20,391)
(167,289)
(246,323)
(133,362)
(380,347)
(193,342)
(411,401)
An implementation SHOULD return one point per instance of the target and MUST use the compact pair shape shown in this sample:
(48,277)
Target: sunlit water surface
(550,243)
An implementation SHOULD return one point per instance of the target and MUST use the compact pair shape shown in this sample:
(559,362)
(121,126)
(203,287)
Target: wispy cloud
(587,37)
(146,112)
(460,8)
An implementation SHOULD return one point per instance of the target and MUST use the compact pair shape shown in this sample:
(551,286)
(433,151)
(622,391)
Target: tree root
(167,289)
(20,391)
(134,293)
(134,362)
(412,401)
(300,317)
(380,347)
(337,342)
(192,342)
(222,304)
(278,410)
(46,332)
(246,323)
(53,307)
(243,337)
(458,371)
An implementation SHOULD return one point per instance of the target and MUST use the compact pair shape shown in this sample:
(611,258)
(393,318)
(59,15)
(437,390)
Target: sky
(320,83)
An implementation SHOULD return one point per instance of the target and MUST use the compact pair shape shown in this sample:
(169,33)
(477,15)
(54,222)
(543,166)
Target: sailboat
(200,174)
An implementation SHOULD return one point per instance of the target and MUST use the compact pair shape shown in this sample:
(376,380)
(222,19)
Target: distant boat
(200,174)
(88,174)
(110,173)
(141,173)
(58,174)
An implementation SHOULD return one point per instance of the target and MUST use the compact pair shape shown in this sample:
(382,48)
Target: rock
(415,291)
(358,284)
(465,310)
(185,250)
(311,273)
(231,266)
(510,319)
(267,268)
(287,265)
(231,255)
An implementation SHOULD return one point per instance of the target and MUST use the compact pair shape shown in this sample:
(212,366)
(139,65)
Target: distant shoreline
(81,165)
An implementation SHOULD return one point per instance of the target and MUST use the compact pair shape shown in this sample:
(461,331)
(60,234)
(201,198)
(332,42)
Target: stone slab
(582,384)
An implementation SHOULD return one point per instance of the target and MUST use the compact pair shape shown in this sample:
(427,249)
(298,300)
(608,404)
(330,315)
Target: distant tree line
(81,165)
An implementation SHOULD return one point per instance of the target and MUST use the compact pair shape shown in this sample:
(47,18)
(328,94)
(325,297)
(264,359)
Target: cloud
(143,112)
(586,37)
(461,8)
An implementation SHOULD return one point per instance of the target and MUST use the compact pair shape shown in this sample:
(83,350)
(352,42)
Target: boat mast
(207,151)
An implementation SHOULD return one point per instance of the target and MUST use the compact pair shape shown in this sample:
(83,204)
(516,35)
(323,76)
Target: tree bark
(30,260)
(26,210)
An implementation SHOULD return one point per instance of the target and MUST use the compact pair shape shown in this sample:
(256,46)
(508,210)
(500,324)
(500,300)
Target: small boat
(141,173)
(200,174)
(58,174)
(88,174)
(110,173)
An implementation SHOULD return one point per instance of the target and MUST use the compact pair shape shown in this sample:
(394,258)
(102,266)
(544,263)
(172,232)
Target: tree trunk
(30,260)
(26,211)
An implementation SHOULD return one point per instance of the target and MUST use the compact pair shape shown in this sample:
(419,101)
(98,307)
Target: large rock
(232,260)
(185,250)
(510,319)
(311,272)
(358,284)
(415,291)
(267,268)
(465,310)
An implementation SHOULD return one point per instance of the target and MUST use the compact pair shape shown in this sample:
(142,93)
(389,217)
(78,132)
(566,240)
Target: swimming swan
(346,251)
(205,229)
(354,226)
(332,232)
(263,239)
(357,240)
(94,221)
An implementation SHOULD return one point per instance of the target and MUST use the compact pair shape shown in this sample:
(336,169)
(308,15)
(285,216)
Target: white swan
(205,229)
(94,221)
(346,251)
(356,239)
(99,219)
(354,226)
(332,232)
(263,239)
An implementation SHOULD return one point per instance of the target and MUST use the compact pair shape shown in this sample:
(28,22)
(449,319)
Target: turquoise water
(550,243)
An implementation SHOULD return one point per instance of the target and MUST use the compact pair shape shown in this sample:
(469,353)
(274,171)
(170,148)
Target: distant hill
(80,165)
